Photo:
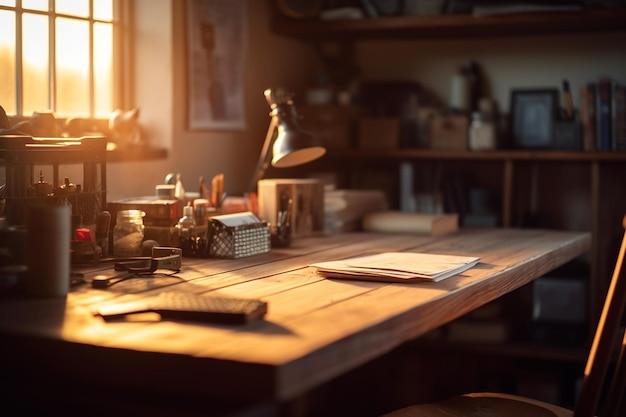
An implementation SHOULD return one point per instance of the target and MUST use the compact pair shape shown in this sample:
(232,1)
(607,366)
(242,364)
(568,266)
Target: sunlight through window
(72,54)
(60,59)
(73,7)
(35,63)
(7,61)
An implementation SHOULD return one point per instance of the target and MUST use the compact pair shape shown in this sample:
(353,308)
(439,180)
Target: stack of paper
(397,267)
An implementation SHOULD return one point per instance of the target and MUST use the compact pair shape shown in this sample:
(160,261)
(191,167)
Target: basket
(238,235)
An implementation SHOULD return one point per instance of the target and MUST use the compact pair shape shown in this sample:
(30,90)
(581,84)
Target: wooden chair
(588,403)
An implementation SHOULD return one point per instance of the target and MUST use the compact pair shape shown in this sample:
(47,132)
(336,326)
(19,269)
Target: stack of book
(603,115)
(344,209)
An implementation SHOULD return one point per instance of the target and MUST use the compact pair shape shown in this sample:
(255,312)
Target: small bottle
(186,230)
(186,224)
(128,233)
(179,190)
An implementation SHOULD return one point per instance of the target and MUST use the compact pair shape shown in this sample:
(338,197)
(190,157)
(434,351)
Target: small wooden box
(449,133)
(307,208)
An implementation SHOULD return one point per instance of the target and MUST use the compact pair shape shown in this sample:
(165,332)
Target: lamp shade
(290,144)
(294,147)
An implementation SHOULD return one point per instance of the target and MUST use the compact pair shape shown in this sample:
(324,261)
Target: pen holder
(281,237)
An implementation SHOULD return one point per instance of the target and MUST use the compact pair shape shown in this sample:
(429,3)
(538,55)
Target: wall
(160,92)
(508,62)
(160,84)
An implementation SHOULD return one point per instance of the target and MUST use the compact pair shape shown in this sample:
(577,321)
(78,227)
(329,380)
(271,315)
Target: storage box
(306,212)
(159,212)
(379,133)
(238,235)
(449,133)
(333,125)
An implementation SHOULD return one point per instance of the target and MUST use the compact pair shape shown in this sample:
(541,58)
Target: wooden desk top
(315,329)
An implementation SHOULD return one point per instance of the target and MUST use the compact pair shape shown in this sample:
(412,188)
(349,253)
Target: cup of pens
(281,230)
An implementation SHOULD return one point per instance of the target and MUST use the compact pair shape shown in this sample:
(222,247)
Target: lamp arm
(264,159)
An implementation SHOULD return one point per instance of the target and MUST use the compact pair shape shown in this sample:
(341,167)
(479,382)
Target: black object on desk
(193,307)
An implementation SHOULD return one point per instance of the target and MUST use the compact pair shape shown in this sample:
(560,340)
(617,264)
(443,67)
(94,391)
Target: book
(397,267)
(618,116)
(603,118)
(405,222)
(587,107)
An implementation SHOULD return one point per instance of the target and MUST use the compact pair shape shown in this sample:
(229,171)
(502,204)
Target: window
(57,55)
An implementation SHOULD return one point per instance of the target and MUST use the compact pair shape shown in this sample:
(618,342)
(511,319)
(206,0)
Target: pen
(567,97)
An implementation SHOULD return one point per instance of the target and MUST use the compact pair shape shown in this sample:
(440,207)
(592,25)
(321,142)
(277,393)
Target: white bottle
(187,224)
(179,190)
(482,134)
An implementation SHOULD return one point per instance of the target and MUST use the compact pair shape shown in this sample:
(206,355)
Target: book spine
(604,114)
(619,121)
(587,107)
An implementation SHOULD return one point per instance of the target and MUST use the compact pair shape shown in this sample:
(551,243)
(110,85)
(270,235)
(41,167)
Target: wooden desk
(316,329)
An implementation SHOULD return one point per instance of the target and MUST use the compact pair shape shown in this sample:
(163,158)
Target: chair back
(615,406)
(600,355)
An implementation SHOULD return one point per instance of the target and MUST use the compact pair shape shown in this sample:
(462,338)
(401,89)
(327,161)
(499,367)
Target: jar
(482,134)
(128,233)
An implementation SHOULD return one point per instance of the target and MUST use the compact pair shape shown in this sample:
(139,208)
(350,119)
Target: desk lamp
(291,145)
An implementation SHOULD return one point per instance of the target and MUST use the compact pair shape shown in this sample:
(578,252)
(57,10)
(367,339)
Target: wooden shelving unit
(603,19)
(600,171)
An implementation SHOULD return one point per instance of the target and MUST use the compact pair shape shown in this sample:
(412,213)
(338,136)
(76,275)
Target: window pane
(35,5)
(72,65)
(35,63)
(103,68)
(73,7)
(103,10)
(7,61)
(7,2)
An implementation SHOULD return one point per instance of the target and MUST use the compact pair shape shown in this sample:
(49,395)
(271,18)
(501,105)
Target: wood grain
(315,329)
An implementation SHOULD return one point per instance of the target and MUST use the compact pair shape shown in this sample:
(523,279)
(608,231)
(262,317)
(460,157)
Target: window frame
(121,51)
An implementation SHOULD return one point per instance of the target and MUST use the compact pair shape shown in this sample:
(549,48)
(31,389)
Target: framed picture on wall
(215,64)
(533,113)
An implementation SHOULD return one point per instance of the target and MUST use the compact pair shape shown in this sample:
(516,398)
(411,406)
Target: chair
(588,403)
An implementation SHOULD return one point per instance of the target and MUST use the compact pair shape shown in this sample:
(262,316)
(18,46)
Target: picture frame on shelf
(533,113)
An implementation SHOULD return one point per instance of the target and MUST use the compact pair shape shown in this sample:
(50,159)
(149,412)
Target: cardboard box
(449,133)
(379,133)
(333,125)
(307,207)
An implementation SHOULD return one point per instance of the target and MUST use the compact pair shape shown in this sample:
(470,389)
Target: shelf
(456,25)
(143,153)
(503,155)
(518,350)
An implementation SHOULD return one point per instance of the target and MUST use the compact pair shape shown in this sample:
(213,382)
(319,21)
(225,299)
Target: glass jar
(482,134)
(128,233)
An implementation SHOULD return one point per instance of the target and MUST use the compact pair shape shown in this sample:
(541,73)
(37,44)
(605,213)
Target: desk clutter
(170,223)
